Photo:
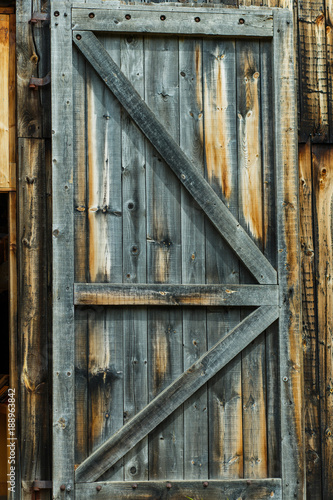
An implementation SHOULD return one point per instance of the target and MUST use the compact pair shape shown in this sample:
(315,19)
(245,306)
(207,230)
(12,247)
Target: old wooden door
(176,350)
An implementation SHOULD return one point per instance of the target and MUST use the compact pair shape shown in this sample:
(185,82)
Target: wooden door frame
(285,132)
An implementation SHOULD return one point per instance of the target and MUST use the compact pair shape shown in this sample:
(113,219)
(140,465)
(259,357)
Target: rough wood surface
(63,253)
(175,295)
(313,71)
(193,254)
(264,489)
(134,258)
(309,334)
(181,21)
(270,250)
(323,200)
(176,393)
(34,378)
(169,150)
(4,108)
(290,348)
(224,390)
(165,330)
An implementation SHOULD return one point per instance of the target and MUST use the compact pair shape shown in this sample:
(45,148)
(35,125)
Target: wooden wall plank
(290,348)
(323,200)
(29,112)
(224,395)
(105,345)
(251,217)
(81,254)
(270,250)
(4,100)
(32,310)
(310,344)
(12,102)
(134,258)
(165,361)
(63,253)
(313,71)
(193,254)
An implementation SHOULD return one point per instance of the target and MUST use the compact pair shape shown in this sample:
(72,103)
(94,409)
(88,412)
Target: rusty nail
(285,379)
(56,13)
(168,485)
(78,37)
(205,484)
(134,486)
(241,21)
(162,18)
(91,15)
(128,17)
(197,19)
(99,487)
(63,487)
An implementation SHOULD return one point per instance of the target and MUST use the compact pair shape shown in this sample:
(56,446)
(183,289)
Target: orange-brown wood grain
(323,200)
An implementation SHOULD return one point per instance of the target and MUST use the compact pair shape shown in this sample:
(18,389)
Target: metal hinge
(34,83)
(39,16)
(40,485)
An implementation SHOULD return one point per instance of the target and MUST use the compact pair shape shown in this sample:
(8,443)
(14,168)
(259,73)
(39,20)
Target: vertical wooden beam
(310,345)
(291,363)
(63,252)
(4,94)
(34,448)
(313,71)
(323,201)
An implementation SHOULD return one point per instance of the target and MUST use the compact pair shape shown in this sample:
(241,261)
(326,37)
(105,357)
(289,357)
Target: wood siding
(313,47)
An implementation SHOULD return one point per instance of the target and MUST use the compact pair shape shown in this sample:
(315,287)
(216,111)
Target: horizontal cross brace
(265,489)
(114,448)
(105,294)
(175,158)
(174,21)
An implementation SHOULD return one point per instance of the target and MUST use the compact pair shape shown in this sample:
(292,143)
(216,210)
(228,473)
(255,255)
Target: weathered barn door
(175,272)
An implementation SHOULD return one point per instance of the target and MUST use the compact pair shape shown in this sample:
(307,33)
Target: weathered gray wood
(164,256)
(193,254)
(134,258)
(63,252)
(222,266)
(178,22)
(260,489)
(270,250)
(290,351)
(104,195)
(175,295)
(209,201)
(81,254)
(250,195)
(176,393)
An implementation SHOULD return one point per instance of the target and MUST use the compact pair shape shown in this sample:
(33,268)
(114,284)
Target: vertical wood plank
(310,345)
(63,252)
(4,101)
(224,395)
(163,255)
(134,258)
(193,254)
(329,61)
(270,251)
(291,362)
(323,200)
(251,218)
(81,254)
(34,379)
(313,72)
(12,103)
(29,115)
(13,330)
(105,345)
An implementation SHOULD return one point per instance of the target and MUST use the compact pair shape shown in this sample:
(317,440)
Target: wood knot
(30,180)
